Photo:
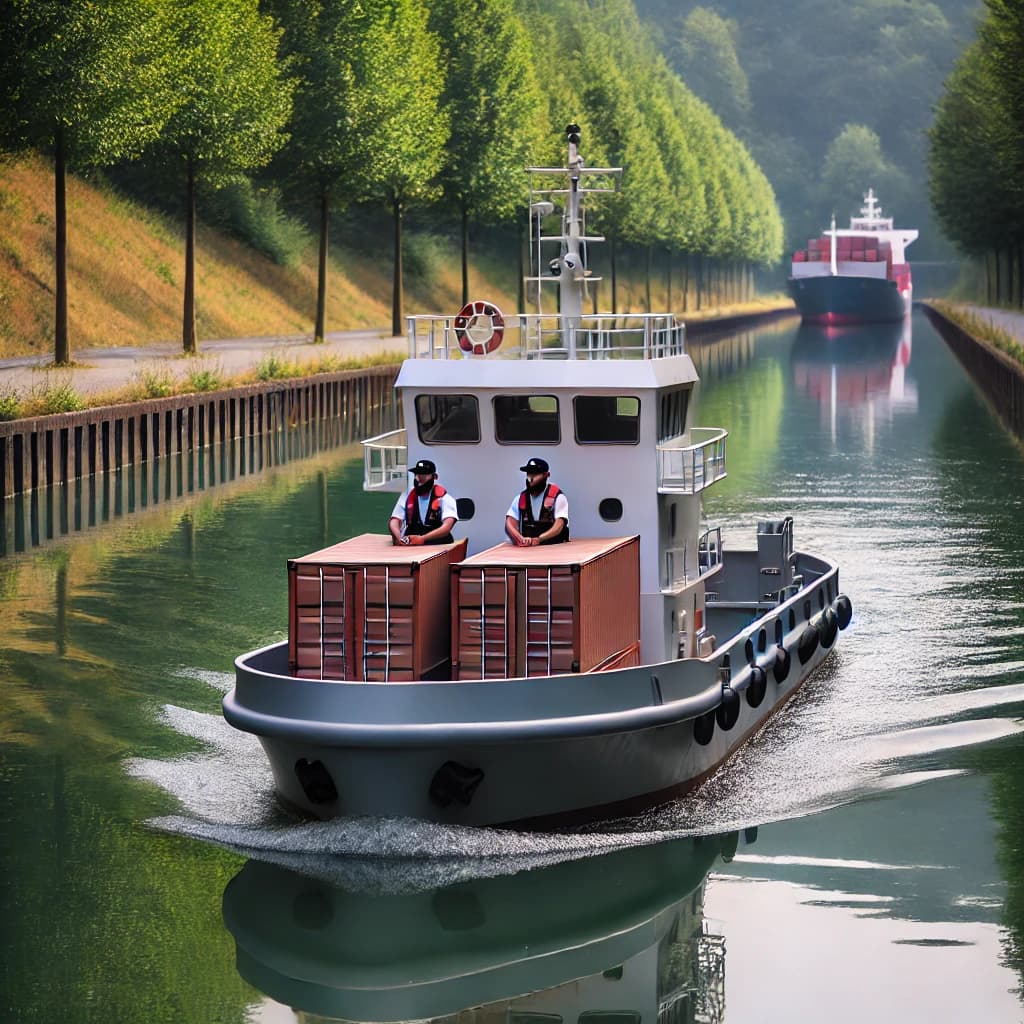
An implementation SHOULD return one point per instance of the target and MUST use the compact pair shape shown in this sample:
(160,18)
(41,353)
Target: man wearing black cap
(540,514)
(426,513)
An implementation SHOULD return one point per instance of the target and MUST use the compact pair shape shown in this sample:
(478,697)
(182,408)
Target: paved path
(113,369)
(1004,319)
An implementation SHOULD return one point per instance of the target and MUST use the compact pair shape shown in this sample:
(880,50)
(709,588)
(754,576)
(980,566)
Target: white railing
(549,336)
(709,550)
(689,463)
(385,461)
(674,574)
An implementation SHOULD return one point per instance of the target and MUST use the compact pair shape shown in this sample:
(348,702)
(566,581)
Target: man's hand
(414,540)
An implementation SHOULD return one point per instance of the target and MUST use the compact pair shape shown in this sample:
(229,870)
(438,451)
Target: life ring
(466,324)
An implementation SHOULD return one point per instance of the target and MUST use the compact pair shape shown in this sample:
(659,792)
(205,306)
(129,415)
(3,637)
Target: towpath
(103,370)
(1004,319)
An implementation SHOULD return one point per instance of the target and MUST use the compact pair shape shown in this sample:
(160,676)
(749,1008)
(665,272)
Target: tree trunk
(699,278)
(988,280)
(396,285)
(686,282)
(465,253)
(668,282)
(188,323)
(1020,275)
(61,348)
(615,283)
(647,283)
(999,279)
(319,328)
(521,238)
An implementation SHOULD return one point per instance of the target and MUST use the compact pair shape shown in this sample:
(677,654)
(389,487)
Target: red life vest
(530,527)
(416,527)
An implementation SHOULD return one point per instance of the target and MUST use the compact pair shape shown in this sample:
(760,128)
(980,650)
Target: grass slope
(126,269)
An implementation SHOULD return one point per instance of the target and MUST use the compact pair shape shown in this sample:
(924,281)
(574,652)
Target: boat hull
(841,299)
(540,753)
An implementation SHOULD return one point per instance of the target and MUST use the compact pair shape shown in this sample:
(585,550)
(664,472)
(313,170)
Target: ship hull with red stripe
(842,299)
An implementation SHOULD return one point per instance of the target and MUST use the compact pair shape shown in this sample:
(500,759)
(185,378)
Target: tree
(402,88)
(494,100)
(331,152)
(234,101)
(708,59)
(89,83)
(853,163)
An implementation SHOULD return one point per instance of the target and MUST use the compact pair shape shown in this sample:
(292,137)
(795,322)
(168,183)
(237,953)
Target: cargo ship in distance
(480,683)
(855,275)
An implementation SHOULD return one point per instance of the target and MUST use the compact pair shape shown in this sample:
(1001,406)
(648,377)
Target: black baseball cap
(423,466)
(534,466)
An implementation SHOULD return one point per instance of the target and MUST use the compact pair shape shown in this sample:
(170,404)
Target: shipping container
(546,610)
(370,610)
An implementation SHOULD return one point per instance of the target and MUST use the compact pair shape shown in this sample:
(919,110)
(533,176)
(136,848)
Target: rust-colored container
(541,611)
(367,609)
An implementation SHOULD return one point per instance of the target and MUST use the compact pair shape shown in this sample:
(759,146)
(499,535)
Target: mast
(832,243)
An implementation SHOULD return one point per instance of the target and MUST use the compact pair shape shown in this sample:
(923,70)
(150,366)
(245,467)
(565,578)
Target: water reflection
(616,939)
(31,520)
(857,372)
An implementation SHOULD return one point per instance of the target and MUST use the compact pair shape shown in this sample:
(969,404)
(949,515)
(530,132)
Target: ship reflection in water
(857,373)
(613,939)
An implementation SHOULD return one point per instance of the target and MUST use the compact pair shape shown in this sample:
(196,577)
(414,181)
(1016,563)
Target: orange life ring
(467,319)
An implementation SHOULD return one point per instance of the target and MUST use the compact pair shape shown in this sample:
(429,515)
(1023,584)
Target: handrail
(692,461)
(550,336)
(385,461)
(709,550)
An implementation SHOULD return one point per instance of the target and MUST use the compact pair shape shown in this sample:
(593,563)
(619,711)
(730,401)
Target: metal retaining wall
(47,450)
(999,376)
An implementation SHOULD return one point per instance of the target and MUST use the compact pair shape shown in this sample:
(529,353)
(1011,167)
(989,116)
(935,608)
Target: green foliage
(708,59)
(276,367)
(233,97)
(10,404)
(204,377)
(426,256)
(853,163)
(495,102)
(155,382)
(255,216)
(55,394)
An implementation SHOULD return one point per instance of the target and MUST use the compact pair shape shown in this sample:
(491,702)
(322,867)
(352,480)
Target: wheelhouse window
(672,413)
(526,419)
(607,419)
(448,419)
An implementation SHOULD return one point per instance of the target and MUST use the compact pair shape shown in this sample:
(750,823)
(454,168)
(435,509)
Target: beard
(537,488)
(424,489)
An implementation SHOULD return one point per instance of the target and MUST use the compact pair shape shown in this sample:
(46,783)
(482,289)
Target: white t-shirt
(449,510)
(536,503)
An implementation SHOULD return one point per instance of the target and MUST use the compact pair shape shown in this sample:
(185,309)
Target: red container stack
(366,609)
(547,610)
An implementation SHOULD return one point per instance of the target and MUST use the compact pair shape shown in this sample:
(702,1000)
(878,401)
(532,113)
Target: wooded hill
(830,98)
(977,152)
(392,105)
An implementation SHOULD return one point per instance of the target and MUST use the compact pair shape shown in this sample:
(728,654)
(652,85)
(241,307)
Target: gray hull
(539,752)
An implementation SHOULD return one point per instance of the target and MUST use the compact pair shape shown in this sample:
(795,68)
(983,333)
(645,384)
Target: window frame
(435,395)
(576,419)
(558,419)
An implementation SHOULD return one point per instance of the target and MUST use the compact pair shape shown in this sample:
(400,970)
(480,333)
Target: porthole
(762,641)
(610,510)
(466,508)
(807,609)
(792,619)
(821,598)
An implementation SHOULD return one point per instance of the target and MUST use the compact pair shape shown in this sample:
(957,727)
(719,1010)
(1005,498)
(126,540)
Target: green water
(872,835)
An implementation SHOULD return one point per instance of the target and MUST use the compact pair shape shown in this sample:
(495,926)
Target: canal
(862,859)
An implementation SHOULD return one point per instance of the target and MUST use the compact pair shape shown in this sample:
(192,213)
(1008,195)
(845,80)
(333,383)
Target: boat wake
(802,763)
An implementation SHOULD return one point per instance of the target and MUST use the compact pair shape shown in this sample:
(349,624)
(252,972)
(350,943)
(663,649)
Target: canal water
(861,859)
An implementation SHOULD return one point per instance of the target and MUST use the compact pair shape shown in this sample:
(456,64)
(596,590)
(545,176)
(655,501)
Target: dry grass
(981,329)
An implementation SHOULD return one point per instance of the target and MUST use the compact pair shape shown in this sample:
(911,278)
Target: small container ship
(539,680)
(857,275)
